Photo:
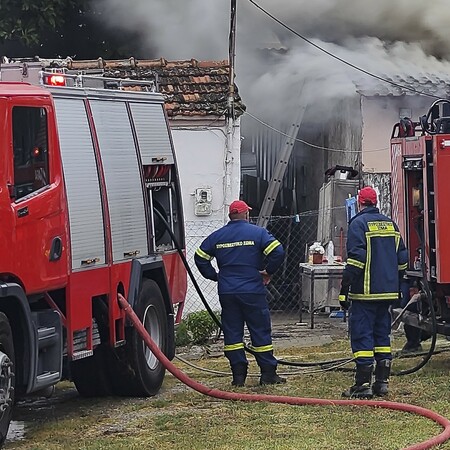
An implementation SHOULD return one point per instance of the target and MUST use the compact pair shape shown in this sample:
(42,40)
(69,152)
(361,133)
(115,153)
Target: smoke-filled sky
(389,38)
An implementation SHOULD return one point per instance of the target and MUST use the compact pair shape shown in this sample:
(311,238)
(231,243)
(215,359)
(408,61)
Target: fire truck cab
(420,162)
(88,189)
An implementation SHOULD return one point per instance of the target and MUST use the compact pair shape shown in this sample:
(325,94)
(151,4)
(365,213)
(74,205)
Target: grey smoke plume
(417,21)
(401,38)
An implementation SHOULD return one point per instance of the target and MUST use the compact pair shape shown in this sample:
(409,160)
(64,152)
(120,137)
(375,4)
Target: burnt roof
(435,84)
(191,88)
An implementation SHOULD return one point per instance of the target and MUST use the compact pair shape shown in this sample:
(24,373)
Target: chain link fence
(296,233)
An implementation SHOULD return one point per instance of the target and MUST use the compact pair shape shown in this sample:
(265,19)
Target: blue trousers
(370,331)
(253,310)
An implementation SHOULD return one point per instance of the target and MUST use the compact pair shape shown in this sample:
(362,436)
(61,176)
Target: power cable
(309,143)
(353,66)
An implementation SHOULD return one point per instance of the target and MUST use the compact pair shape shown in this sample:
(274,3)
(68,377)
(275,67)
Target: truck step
(82,354)
(48,378)
(47,337)
(120,343)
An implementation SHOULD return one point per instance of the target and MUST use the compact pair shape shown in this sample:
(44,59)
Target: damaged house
(353,131)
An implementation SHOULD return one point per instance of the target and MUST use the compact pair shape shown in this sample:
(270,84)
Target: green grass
(179,418)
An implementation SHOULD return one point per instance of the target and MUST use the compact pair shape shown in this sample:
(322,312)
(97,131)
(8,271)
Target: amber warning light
(55,80)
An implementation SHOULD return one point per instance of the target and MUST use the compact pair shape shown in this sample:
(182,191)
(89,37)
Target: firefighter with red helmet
(376,261)
(247,255)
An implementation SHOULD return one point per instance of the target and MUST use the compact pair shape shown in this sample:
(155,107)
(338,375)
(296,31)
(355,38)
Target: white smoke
(425,23)
(402,38)
(177,29)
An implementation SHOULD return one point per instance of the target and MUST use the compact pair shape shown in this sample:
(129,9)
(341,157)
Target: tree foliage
(60,28)
(26,20)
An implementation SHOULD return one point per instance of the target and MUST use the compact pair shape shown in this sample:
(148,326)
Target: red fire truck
(88,185)
(420,161)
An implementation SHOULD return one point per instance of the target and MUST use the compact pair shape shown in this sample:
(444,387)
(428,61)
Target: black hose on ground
(208,308)
(430,352)
(186,265)
(429,296)
(280,361)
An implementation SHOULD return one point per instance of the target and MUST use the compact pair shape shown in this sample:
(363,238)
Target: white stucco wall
(379,116)
(201,153)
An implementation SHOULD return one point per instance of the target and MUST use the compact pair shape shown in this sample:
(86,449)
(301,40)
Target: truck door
(37,198)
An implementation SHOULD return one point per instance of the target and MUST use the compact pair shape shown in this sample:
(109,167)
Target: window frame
(42,164)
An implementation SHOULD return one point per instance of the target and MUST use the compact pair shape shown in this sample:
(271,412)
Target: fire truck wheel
(90,374)
(7,381)
(135,370)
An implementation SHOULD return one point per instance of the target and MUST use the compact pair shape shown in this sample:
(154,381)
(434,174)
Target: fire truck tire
(90,374)
(135,370)
(8,381)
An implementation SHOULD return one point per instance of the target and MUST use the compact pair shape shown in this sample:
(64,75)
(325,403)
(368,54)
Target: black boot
(269,376)
(382,372)
(363,382)
(239,374)
(413,338)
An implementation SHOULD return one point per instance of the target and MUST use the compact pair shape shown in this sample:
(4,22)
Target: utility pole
(230,110)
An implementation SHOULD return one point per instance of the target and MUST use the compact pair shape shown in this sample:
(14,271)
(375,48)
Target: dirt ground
(288,332)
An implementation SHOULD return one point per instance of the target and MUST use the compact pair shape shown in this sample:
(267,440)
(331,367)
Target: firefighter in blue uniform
(241,250)
(376,261)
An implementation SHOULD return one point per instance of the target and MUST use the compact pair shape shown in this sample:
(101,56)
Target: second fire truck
(420,161)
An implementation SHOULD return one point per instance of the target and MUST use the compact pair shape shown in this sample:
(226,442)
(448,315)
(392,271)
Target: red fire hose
(216,393)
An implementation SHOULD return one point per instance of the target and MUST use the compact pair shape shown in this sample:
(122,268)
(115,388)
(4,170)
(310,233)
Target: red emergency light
(55,80)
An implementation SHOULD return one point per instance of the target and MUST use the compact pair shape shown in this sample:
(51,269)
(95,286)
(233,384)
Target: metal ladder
(279,171)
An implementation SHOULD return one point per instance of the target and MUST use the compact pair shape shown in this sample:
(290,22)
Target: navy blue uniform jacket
(376,257)
(239,248)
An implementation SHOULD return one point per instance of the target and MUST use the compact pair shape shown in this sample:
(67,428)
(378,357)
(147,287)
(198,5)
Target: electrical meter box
(203,202)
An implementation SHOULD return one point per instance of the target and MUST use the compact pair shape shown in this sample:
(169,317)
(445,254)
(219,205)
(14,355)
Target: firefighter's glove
(343,301)
(343,296)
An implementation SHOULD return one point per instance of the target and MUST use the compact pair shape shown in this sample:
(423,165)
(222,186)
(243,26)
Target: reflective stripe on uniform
(264,348)
(354,262)
(377,230)
(271,247)
(403,266)
(382,349)
(384,296)
(363,354)
(202,254)
(368,261)
(383,234)
(231,347)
